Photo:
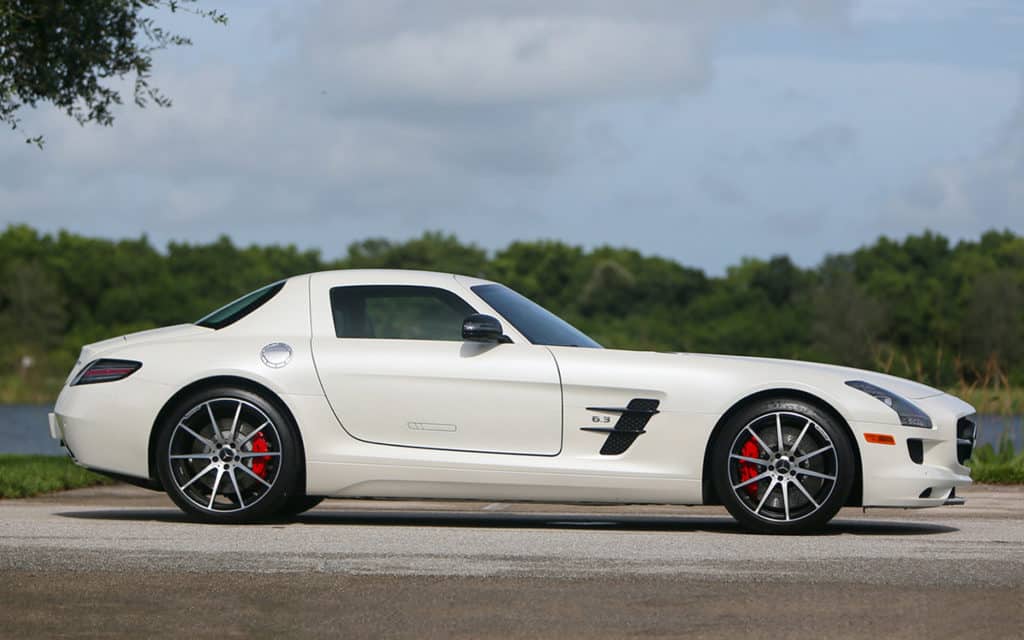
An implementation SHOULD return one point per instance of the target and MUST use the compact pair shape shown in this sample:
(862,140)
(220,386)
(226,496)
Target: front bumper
(922,468)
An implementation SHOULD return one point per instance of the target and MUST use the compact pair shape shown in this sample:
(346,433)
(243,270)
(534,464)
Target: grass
(997,465)
(15,389)
(1000,401)
(22,476)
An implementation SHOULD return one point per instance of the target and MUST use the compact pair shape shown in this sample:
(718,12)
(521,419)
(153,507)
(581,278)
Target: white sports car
(407,384)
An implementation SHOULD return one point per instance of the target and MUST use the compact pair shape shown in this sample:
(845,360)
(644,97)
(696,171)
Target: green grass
(22,476)
(1001,401)
(997,465)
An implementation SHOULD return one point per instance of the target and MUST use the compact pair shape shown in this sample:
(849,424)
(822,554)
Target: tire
(244,469)
(795,488)
(295,505)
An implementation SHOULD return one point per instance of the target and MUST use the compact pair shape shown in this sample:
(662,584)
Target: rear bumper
(54,427)
(106,426)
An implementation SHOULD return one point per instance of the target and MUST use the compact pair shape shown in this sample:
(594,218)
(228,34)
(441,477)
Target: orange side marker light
(879,438)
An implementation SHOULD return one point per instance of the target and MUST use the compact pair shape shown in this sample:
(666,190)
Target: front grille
(966,434)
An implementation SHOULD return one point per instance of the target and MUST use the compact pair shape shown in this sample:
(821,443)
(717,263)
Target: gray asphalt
(427,568)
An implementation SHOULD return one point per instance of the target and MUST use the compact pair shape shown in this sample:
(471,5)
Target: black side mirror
(482,328)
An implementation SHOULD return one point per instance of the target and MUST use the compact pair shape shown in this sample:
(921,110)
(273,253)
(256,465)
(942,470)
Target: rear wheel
(783,466)
(227,455)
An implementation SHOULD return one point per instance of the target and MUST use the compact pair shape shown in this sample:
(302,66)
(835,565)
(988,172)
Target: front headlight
(910,414)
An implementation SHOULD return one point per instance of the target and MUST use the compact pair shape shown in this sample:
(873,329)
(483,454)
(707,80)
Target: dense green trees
(920,307)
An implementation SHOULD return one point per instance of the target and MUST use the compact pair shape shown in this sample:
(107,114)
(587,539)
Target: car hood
(901,386)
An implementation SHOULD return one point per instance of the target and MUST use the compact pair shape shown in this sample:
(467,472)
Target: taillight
(106,370)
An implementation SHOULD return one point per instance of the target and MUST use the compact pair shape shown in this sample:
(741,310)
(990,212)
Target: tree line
(921,307)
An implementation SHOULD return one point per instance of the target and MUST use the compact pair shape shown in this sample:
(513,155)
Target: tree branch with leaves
(67,53)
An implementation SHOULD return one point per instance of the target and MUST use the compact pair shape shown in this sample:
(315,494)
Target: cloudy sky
(704,131)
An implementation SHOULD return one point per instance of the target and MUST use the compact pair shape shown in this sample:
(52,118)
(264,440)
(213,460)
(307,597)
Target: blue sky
(703,131)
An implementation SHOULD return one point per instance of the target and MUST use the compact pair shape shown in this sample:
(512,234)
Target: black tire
(295,505)
(201,467)
(787,489)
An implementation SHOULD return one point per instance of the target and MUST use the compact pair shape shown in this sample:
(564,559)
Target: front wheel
(228,455)
(783,466)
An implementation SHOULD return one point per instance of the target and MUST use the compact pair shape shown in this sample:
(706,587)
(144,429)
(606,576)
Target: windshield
(539,325)
(235,311)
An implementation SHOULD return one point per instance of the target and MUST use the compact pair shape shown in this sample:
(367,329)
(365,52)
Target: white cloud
(387,109)
(496,120)
(983,191)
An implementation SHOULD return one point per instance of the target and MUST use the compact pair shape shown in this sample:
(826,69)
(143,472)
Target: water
(991,428)
(25,429)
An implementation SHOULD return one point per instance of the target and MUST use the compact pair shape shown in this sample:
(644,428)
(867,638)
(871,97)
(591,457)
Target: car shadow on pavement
(577,521)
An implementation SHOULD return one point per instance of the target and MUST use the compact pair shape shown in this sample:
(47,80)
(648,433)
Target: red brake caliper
(259,465)
(748,469)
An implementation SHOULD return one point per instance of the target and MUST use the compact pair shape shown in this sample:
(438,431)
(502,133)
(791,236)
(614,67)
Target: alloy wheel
(225,455)
(783,466)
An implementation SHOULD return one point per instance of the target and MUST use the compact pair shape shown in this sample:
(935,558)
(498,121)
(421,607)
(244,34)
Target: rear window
(235,311)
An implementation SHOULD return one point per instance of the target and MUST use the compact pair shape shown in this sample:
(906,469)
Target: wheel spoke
(785,497)
(258,454)
(810,455)
(234,421)
(234,483)
(216,485)
(800,486)
(206,441)
(815,474)
(778,431)
(254,475)
(752,480)
(796,443)
(253,433)
(764,498)
(210,467)
(191,456)
(758,461)
(766,448)
(213,421)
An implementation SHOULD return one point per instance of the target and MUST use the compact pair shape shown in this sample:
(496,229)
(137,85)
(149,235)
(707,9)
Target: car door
(396,371)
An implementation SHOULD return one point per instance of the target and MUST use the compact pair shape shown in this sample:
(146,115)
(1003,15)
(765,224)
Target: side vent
(915,447)
(629,427)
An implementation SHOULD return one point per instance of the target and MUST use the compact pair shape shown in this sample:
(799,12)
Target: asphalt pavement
(119,561)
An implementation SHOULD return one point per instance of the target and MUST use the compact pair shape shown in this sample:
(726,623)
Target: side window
(398,312)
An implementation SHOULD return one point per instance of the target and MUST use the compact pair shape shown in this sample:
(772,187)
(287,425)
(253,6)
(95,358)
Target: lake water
(24,429)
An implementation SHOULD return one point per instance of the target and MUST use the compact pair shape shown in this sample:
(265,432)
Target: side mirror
(482,328)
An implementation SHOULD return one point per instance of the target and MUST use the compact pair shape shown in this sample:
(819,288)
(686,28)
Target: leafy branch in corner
(66,53)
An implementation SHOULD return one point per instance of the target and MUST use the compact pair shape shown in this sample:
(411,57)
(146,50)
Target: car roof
(397,276)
